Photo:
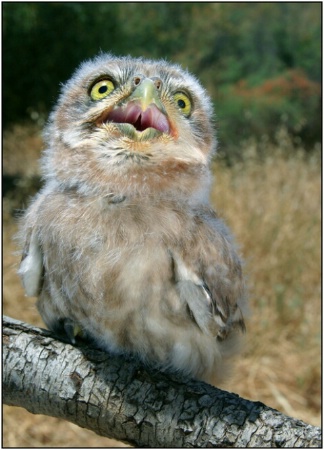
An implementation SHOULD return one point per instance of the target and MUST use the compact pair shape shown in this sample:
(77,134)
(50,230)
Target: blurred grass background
(261,63)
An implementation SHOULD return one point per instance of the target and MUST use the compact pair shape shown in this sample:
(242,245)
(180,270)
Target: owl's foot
(68,330)
(72,329)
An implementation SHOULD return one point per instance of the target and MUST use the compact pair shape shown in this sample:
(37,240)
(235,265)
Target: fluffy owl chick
(121,243)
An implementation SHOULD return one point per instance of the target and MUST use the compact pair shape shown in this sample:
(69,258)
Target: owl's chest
(97,233)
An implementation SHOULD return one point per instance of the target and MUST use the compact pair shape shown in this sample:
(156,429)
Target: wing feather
(31,267)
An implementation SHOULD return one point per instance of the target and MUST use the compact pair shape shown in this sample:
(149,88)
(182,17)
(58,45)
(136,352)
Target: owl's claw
(72,329)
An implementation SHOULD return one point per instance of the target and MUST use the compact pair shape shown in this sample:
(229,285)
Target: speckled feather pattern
(122,240)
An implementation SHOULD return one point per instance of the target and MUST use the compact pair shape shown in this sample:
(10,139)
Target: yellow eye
(101,89)
(183,103)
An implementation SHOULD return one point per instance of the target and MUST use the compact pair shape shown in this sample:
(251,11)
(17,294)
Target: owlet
(121,244)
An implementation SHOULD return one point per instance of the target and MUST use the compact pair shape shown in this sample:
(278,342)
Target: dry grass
(273,208)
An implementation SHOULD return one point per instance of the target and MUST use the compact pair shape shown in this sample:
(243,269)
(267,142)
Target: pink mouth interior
(152,117)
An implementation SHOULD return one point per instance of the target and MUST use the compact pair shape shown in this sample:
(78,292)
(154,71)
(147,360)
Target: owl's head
(131,125)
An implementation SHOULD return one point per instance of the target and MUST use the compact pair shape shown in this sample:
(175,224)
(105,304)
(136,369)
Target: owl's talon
(72,329)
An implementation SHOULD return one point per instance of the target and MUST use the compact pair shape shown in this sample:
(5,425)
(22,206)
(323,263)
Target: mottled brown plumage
(121,243)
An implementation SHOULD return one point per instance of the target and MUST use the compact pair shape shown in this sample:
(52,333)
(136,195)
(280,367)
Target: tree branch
(124,400)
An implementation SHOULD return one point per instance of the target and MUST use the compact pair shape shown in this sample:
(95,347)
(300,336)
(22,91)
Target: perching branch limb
(122,399)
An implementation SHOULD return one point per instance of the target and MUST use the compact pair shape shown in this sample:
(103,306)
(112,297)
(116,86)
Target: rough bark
(122,399)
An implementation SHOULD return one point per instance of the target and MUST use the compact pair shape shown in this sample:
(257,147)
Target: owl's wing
(31,267)
(212,286)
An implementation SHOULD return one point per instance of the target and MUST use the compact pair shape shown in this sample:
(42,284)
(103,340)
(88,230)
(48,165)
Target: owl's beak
(143,116)
(146,93)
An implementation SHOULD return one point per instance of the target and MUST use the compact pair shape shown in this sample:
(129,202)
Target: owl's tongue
(152,117)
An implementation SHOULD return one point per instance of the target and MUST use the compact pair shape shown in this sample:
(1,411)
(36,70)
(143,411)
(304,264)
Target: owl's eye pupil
(181,104)
(102,89)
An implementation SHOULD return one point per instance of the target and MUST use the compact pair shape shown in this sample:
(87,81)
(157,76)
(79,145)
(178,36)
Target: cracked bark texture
(124,400)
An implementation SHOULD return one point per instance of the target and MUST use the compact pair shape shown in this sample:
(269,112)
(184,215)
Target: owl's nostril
(157,82)
(137,80)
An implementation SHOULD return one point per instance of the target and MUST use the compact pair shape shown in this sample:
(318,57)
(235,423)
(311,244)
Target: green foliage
(224,44)
(290,100)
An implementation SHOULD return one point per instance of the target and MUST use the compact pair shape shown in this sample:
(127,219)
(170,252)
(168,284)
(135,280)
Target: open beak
(142,111)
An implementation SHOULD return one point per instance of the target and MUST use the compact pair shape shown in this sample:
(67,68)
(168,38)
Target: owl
(121,245)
